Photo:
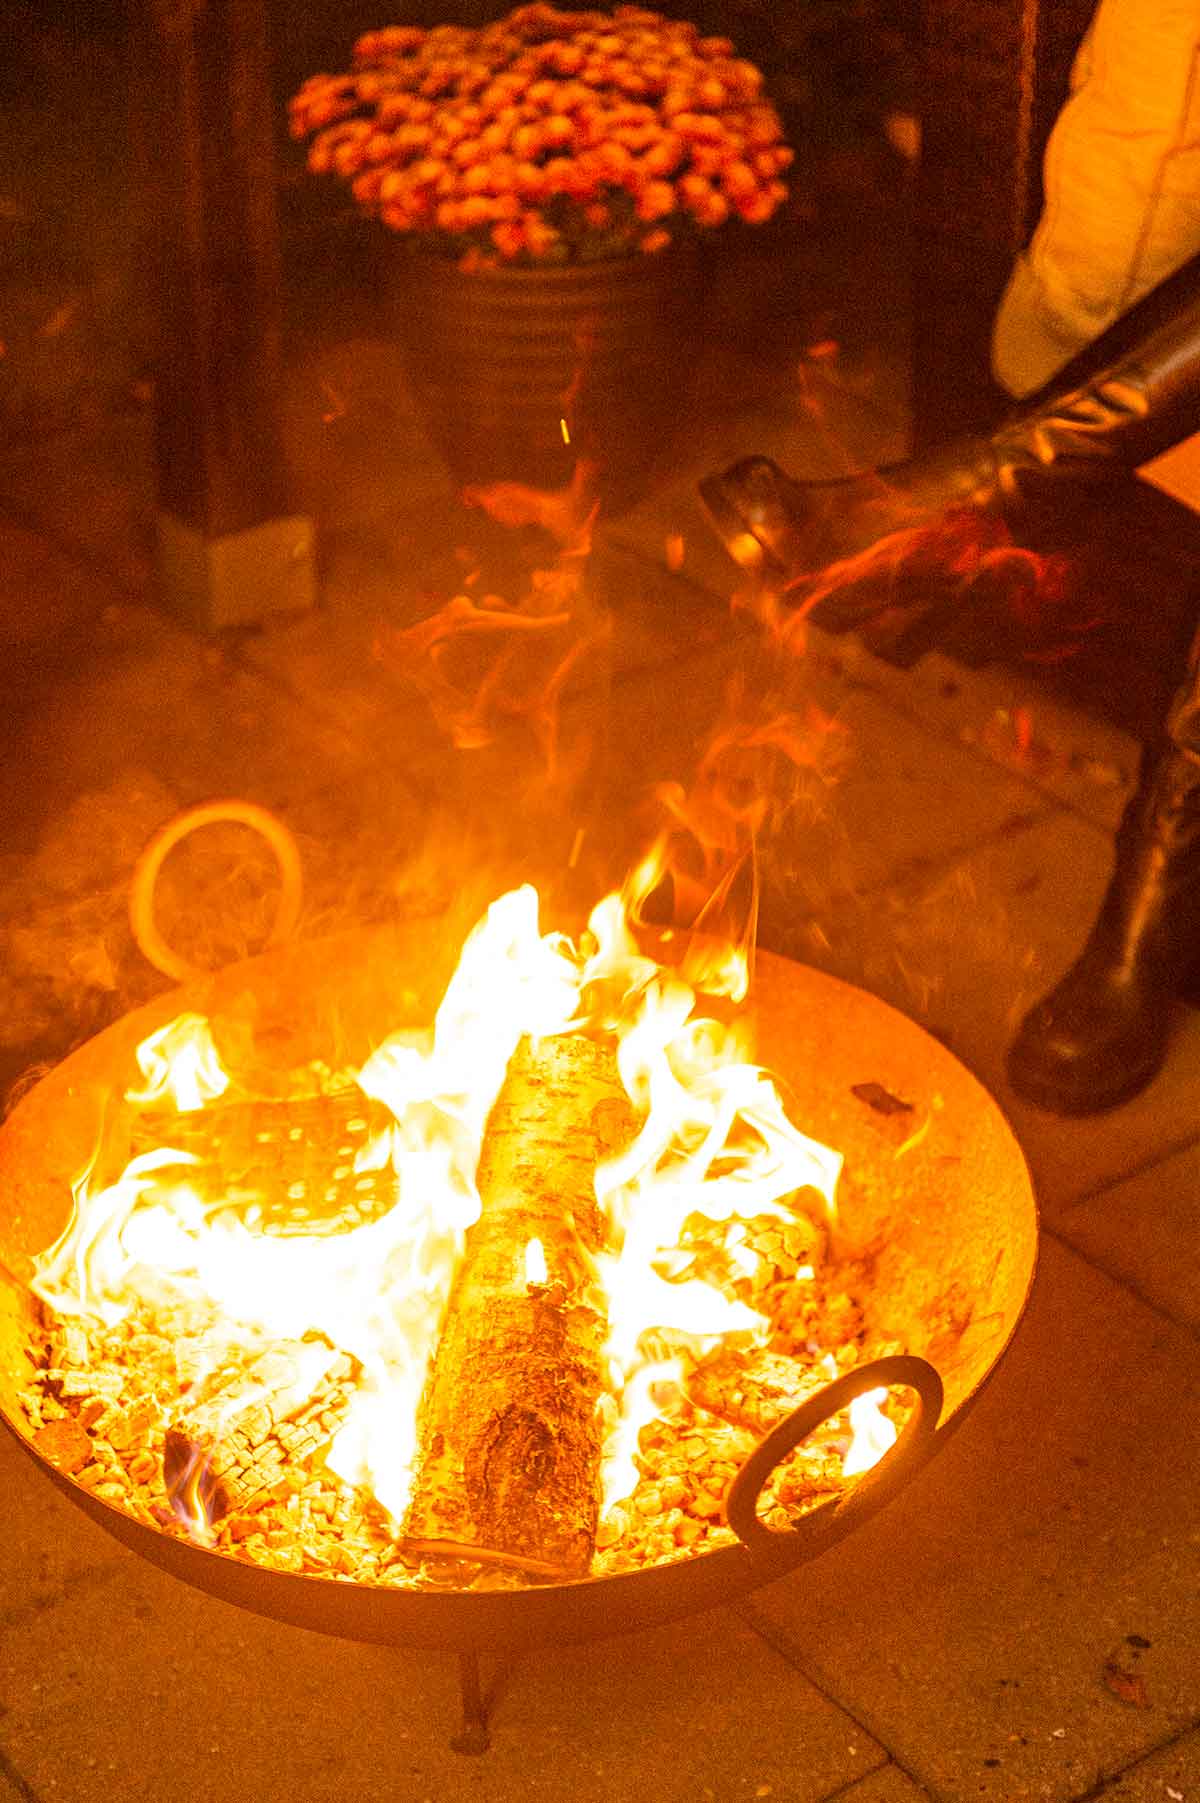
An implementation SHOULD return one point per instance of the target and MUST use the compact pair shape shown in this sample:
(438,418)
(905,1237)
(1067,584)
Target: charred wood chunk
(510,1437)
(64,1444)
(280,1167)
(753,1390)
(880,1099)
(254,1438)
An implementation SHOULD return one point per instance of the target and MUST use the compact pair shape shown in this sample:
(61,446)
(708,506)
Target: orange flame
(712,1137)
(481,665)
(705,855)
(871,1433)
(964,555)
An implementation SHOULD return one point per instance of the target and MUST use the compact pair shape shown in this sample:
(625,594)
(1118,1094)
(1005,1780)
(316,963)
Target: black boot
(1102,1033)
(1132,394)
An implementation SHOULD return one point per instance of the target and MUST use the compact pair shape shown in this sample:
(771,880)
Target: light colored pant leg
(1122,184)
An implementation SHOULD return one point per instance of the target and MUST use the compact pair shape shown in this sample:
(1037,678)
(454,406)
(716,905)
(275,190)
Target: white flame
(872,1434)
(181,1065)
(713,1141)
(535,1262)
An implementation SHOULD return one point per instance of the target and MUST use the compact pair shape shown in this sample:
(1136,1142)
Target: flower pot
(519,372)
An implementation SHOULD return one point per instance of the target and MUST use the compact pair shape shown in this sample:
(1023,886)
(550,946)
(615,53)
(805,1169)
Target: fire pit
(934,1197)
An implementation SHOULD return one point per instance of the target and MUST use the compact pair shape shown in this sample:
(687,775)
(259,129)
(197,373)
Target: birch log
(509,1460)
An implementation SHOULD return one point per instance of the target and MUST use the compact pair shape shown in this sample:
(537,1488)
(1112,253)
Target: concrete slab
(119,1688)
(895,803)
(91,492)
(344,663)
(1022,1622)
(68,599)
(817,425)
(50,1548)
(966,948)
(358,452)
(145,694)
(1002,712)
(871,805)
(674,525)
(888,1785)
(1145,1231)
(1005,713)
(659,613)
(148,721)
(1172,1775)
(1070,1159)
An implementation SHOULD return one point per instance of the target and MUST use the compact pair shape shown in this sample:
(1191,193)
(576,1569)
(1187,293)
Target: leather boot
(1132,394)
(1102,1033)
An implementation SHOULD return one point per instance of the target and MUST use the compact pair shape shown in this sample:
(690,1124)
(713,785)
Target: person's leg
(1122,183)
(1128,397)
(1110,383)
(1102,1033)
(1104,313)
(1121,180)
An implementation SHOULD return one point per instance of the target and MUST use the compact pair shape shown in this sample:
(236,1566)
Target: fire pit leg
(473,1736)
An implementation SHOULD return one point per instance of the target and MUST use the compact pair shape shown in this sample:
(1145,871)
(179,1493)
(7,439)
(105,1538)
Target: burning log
(510,1431)
(245,1444)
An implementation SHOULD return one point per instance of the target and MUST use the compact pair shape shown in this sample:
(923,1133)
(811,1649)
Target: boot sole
(1057,1098)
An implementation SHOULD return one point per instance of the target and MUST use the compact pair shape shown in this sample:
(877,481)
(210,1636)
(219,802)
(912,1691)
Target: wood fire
(513,1306)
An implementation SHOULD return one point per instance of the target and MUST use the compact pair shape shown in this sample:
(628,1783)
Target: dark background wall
(76,235)
(985,78)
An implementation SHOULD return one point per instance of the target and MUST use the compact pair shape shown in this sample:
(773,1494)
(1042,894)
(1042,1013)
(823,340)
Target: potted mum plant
(551,178)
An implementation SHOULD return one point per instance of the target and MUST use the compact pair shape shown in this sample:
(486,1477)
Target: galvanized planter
(519,372)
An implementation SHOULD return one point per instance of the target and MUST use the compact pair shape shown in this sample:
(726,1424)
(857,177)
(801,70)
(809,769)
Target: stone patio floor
(961,1646)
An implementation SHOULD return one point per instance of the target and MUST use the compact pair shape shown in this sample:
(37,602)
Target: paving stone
(1001,1623)
(344,660)
(247,1708)
(1002,713)
(67,599)
(1088,763)
(816,425)
(871,806)
(888,1785)
(674,524)
(50,1548)
(1171,1775)
(966,948)
(357,449)
(659,614)
(143,694)
(896,804)
(91,492)
(1146,1231)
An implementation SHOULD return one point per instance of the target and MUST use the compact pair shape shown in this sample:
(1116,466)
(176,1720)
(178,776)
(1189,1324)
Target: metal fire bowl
(949,1212)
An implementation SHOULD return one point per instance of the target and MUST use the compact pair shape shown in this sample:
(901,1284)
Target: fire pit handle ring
(142,918)
(876,1486)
